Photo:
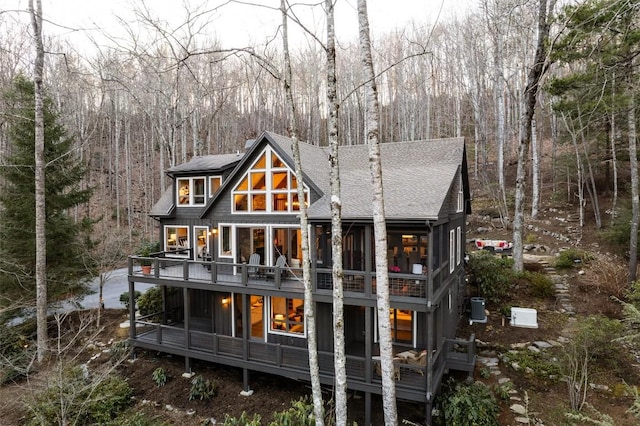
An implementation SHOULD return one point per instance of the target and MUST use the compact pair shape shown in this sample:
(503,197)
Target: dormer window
(269,186)
(190,191)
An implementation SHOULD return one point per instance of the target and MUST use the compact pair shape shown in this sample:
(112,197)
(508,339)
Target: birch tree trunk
(309,304)
(633,165)
(379,224)
(535,178)
(533,79)
(40,207)
(339,355)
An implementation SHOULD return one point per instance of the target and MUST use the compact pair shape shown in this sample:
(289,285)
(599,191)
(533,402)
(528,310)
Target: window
(452,250)
(458,245)
(214,184)
(176,240)
(190,191)
(269,186)
(460,195)
(225,241)
(287,315)
(401,326)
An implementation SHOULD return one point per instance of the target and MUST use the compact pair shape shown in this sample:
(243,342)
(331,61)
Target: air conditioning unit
(524,317)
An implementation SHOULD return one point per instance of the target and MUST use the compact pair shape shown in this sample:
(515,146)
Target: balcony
(166,270)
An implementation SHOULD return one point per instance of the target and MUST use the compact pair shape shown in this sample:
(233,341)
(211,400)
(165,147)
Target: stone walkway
(491,359)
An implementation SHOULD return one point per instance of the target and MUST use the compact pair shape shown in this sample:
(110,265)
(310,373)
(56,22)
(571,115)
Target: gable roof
(417,177)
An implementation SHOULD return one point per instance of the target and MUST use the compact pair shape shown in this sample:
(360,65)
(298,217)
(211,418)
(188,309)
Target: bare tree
(379,225)
(309,304)
(339,355)
(40,212)
(535,74)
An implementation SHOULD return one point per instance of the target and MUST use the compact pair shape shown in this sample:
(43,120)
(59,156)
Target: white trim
(191,192)
(452,248)
(165,240)
(268,190)
(458,245)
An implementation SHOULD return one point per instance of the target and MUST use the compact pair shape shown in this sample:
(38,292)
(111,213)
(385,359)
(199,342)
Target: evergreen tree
(68,240)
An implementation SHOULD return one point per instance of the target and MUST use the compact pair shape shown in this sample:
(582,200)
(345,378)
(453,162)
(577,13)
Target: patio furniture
(281,264)
(252,268)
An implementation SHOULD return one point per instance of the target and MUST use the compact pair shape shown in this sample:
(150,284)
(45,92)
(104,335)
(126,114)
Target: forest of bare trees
(154,97)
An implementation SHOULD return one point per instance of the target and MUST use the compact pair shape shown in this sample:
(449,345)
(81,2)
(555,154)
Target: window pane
(240,202)
(183,191)
(258,181)
(198,191)
(214,184)
(276,162)
(258,202)
(244,185)
(261,163)
(279,180)
(226,240)
(280,202)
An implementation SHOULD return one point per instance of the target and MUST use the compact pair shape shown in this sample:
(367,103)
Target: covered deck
(231,275)
(412,379)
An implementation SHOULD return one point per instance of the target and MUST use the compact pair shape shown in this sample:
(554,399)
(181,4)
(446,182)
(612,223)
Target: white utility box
(524,317)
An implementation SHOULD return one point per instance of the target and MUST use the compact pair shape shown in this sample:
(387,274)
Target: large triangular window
(269,186)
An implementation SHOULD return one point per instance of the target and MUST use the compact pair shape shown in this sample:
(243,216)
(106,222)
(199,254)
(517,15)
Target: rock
(247,393)
(190,412)
(518,409)
(542,344)
(482,230)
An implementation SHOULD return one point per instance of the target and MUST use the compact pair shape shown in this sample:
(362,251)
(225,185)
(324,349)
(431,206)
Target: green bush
(464,404)
(120,350)
(541,285)
(568,258)
(16,353)
(243,420)
(124,298)
(159,376)
(202,389)
(492,274)
(150,302)
(73,398)
(300,414)
(538,364)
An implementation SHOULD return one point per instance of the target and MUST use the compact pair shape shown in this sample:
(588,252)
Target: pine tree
(68,240)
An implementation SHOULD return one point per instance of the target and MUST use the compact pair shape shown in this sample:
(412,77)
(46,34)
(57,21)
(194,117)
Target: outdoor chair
(253,265)
(281,263)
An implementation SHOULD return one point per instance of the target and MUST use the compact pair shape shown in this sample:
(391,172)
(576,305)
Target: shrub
(538,364)
(16,353)
(568,258)
(71,398)
(243,420)
(124,298)
(120,350)
(492,274)
(159,376)
(300,414)
(150,302)
(464,404)
(541,285)
(202,389)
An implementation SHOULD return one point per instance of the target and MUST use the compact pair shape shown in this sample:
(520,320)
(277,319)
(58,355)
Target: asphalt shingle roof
(206,163)
(416,175)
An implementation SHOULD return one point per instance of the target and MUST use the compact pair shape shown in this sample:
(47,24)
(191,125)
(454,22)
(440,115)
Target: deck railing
(242,274)
(411,378)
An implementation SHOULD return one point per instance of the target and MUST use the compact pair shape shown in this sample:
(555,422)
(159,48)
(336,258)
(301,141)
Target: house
(231,254)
